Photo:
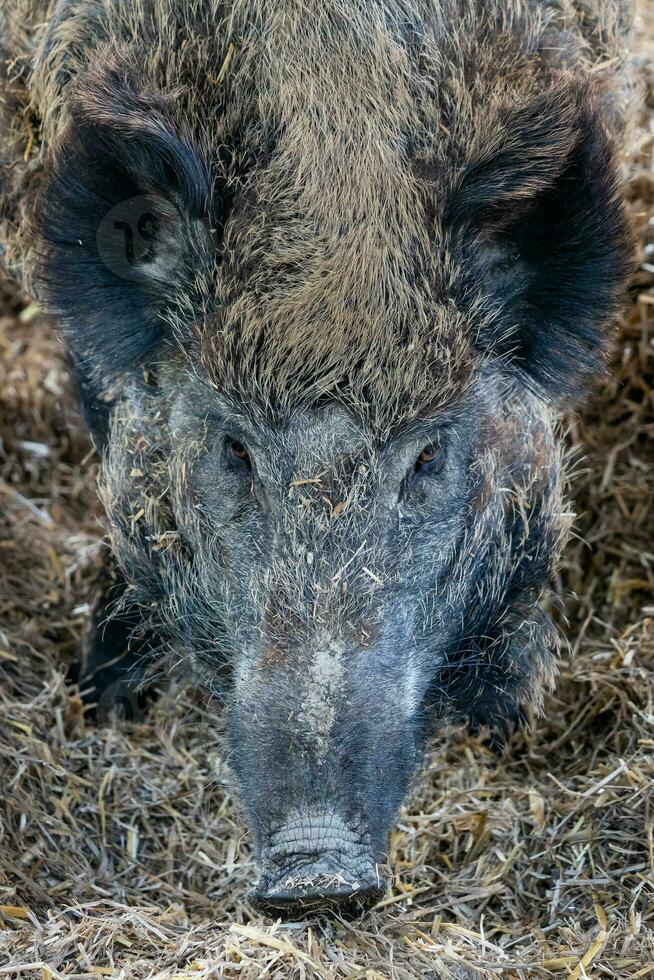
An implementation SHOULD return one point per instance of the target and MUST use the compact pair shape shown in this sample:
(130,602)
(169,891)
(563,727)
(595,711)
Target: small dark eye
(431,459)
(238,453)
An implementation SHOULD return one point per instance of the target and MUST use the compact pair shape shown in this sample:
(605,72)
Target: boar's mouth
(317,862)
(314,892)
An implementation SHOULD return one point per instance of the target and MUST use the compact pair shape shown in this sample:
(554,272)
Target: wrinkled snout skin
(328,274)
(315,860)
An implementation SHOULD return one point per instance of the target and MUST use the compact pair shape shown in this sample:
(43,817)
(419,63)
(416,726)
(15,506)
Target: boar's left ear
(538,228)
(124,224)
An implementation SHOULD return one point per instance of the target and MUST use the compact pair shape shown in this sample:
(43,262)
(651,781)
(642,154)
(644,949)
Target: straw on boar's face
(334,489)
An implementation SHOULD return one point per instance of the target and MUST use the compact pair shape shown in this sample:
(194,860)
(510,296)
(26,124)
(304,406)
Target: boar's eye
(430,460)
(237,453)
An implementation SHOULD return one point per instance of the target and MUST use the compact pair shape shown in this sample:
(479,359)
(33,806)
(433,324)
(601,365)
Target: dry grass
(121,853)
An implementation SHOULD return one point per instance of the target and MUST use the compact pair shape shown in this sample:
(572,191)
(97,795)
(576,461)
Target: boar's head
(327,393)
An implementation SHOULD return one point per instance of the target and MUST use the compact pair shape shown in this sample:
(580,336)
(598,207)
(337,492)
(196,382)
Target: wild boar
(328,273)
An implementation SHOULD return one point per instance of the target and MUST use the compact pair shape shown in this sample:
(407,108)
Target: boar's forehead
(332,290)
(322,297)
(385,379)
(329,280)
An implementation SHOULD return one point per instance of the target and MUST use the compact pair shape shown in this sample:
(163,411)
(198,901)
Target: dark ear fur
(124,222)
(538,227)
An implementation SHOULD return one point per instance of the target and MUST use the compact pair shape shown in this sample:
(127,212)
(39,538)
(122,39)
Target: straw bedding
(121,850)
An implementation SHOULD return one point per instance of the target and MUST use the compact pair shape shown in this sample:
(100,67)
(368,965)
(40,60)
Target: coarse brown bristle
(121,851)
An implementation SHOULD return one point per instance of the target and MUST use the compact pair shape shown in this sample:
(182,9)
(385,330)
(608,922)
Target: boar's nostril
(299,894)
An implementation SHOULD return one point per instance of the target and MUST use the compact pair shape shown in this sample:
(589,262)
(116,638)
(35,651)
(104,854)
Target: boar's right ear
(124,222)
(540,232)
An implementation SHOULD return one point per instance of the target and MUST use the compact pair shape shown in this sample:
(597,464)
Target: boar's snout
(316,861)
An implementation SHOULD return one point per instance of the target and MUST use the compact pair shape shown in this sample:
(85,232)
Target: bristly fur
(428,185)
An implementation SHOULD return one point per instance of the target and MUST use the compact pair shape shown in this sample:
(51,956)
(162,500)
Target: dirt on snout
(121,851)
